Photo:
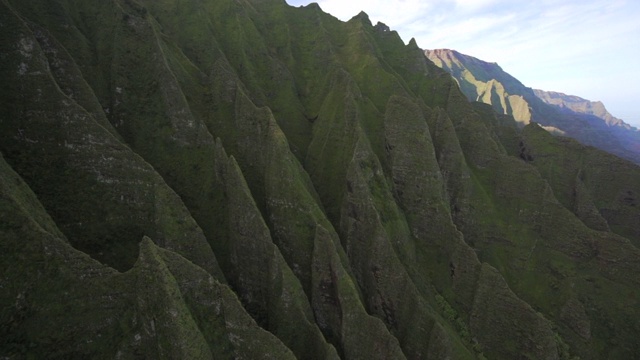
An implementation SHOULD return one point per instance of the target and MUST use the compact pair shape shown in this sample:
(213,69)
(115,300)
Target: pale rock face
(567,115)
(579,105)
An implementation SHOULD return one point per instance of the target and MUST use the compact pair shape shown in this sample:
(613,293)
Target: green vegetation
(245,179)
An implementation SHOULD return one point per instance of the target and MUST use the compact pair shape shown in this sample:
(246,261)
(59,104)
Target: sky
(588,48)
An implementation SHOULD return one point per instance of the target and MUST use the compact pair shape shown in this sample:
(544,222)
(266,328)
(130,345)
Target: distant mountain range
(586,121)
(580,105)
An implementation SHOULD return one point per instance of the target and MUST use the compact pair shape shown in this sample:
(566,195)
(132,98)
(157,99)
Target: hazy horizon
(589,49)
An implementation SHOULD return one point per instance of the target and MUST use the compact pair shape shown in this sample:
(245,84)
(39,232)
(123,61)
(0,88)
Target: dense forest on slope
(244,179)
(566,115)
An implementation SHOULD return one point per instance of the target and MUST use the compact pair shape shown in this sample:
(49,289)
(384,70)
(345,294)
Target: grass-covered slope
(244,179)
(59,303)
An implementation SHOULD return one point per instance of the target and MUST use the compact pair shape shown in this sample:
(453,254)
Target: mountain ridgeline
(242,179)
(587,121)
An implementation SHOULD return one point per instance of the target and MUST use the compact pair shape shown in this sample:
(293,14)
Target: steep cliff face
(627,135)
(567,115)
(485,82)
(579,105)
(244,179)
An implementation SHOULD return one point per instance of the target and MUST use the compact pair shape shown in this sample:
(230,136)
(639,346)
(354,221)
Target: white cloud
(466,6)
(389,12)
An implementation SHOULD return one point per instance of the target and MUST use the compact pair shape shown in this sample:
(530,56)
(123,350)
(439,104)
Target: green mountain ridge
(245,179)
(567,115)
